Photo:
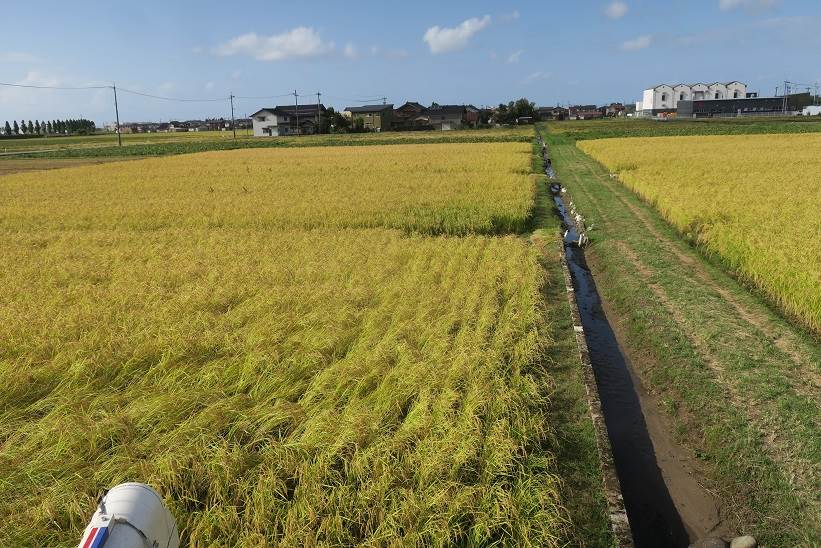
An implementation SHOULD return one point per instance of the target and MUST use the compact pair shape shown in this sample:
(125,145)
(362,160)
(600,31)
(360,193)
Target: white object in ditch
(131,515)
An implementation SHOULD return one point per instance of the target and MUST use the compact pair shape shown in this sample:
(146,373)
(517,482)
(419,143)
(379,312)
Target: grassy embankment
(740,383)
(289,365)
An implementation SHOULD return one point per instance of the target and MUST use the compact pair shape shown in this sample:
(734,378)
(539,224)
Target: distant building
(175,126)
(410,116)
(584,112)
(812,110)
(551,113)
(449,117)
(746,106)
(287,120)
(613,110)
(374,117)
(664,98)
(472,116)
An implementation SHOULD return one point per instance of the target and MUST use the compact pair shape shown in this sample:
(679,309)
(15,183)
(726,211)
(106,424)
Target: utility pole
(117,114)
(384,100)
(318,113)
(296,111)
(233,125)
(786,93)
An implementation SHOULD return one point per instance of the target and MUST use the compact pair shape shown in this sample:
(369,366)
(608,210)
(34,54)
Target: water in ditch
(654,519)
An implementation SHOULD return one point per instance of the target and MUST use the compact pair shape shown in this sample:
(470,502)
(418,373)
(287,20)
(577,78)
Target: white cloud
(512,16)
(236,74)
(751,5)
(350,51)
(297,42)
(616,10)
(17,57)
(209,86)
(638,43)
(536,76)
(515,56)
(167,87)
(441,40)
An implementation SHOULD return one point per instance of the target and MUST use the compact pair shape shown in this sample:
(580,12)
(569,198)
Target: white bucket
(131,515)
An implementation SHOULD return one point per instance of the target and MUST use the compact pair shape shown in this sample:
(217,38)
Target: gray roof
(369,108)
(447,109)
(304,110)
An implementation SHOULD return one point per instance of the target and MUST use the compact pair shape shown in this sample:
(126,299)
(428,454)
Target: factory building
(664,98)
(751,106)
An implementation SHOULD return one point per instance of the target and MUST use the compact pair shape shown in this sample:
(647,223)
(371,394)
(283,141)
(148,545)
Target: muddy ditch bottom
(665,503)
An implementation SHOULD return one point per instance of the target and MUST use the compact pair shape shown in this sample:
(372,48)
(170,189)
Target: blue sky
(481,52)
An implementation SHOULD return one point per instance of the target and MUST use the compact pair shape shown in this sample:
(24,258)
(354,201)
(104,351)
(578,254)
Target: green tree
(49,128)
(338,122)
(31,128)
(358,125)
(522,107)
(7,129)
(16,128)
(37,129)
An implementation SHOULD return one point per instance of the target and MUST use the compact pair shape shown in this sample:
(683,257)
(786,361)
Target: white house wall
(271,121)
(736,87)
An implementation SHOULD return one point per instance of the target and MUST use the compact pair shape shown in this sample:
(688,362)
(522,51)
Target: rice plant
(752,200)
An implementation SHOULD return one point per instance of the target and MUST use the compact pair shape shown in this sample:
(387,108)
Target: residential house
(551,113)
(613,110)
(374,117)
(584,112)
(287,120)
(410,116)
(175,126)
(448,117)
(471,116)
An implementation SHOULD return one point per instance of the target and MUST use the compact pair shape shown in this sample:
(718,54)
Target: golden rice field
(432,189)
(284,371)
(754,200)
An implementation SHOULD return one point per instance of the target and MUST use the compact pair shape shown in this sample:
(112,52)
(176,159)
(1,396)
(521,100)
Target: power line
(52,87)
(263,96)
(177,99)
(372,99)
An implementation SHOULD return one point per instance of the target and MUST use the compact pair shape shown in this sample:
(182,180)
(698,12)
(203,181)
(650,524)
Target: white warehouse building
(664,97)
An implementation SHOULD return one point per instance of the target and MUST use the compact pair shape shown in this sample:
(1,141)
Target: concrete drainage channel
(642,511)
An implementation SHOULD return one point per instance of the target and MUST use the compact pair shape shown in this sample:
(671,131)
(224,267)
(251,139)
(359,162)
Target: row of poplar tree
(52,127)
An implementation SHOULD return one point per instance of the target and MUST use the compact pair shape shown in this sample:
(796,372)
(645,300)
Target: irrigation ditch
(654,498)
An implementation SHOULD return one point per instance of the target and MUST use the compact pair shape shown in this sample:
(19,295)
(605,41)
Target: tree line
(49,127)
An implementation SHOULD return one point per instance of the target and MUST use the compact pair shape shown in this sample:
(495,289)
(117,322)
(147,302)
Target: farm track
(766,369)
